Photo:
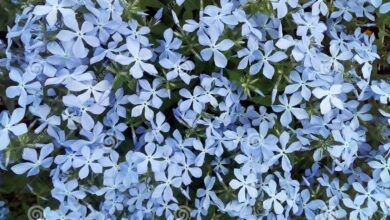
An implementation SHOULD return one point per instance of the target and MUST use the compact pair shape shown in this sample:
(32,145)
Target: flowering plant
(158,109)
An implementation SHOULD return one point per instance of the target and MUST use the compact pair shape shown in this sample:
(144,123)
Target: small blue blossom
(288,106)
(276,198)
(138,58)
(214,49)
(168,45)
(25,88)
(82,35)
(284,150)
(265,59)
(246,185)
(35,161)
(88,159)
(52,8)
(11,125)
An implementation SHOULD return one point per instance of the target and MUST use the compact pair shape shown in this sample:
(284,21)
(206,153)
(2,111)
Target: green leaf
(151,3)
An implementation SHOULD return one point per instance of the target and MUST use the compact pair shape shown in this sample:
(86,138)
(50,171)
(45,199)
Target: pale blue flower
(88,159)
(52,8)
(35,161)
(10,125)
(246,185)
(276,198)
(85,34)
(265,59)
(138,59)
(214,49)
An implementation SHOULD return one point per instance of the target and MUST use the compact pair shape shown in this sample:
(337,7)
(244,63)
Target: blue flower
(84,34)
(301,82)
(153,92)
(284,150)
(382,165)
(230,152)
(25,88)
(155,132)
(207,194)
(167,207)
(67,190)
(64,211)
(168,45)
(35,162)
(344,10)
(196,100)
(43,112)
(116,128)
(265,60)
(138,58)
(249,54)
(276,198)
(110,52)
(281,6)
(180,2)
(66,77)
(177,143)
(289,107)
(11,125)
(120,101)
(308,22)
(102,23)
(84,105)
(52,8)
(217,17)
(358,212)
(383,90)
(3,210)
(385,8)
(178,66)
(134,32)
(88,159)
(333,61)
(319,7)
(141,106)
(368,194)
(214,49)
(138,194)
(349,144)
(246,185)
(164,189)
(309,55)
(329,97)
(185,164)
(309,207)
(65,161)
(153,155)
(62,54)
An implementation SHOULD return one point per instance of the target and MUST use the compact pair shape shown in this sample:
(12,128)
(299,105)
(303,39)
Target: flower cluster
(241,108)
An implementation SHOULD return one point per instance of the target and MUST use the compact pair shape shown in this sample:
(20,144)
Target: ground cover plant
(194,109)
